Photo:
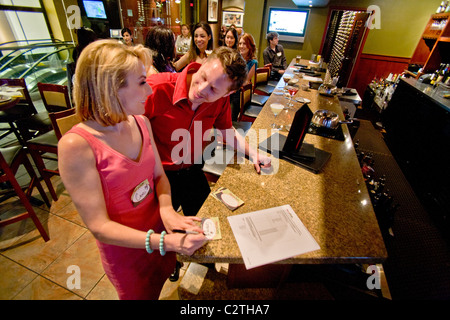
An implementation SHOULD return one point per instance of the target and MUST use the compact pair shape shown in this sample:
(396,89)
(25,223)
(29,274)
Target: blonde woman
(111,168)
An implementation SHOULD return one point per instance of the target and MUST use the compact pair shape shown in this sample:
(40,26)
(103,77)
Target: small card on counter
(228,198)
(211,228)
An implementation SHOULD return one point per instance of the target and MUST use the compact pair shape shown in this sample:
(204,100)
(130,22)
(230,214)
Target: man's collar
(181,86)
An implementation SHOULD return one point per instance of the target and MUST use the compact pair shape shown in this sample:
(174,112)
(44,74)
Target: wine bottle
(434,77)
(441,74)
(446,79)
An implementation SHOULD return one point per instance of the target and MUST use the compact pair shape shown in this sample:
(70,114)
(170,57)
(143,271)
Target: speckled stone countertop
(334,205)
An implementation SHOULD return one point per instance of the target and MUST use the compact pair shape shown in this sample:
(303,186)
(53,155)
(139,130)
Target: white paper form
(270,235)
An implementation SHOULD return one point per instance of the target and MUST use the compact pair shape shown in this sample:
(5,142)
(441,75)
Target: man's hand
(261,161)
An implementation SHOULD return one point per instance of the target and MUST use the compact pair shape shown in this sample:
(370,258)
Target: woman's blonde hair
(100,72)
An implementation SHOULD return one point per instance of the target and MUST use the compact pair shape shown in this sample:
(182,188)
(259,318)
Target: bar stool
(24,116)
(262,88)
(249,111)
(46,145)
(272,83)
(54,96)
(10,160)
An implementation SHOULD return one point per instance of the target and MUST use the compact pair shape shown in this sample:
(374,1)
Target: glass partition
(44,61)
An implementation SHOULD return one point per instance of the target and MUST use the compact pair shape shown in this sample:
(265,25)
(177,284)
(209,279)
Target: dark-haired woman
(162,43)
(202,41)
(231,38)
(126,36)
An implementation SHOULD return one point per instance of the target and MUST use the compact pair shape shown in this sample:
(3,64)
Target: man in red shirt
(182,110)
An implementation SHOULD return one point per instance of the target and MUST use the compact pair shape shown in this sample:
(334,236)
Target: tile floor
(32,269)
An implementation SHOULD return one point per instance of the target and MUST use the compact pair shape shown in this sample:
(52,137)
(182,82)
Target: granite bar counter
(334,205)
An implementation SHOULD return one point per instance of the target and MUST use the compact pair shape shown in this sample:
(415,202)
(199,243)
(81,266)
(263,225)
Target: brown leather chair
(10,160)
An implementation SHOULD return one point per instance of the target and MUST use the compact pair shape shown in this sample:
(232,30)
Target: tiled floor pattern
(32,269)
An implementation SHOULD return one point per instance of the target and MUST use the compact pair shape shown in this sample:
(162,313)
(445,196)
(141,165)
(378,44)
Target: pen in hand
(185,231)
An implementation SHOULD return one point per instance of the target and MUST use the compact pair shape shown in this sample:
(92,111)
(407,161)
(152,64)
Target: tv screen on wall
(94,9)
(290,24)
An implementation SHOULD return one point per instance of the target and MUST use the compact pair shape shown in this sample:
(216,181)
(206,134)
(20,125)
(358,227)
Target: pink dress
(134,273)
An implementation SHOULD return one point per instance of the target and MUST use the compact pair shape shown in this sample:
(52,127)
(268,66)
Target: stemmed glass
(286,80)
(276,109)
(292,91)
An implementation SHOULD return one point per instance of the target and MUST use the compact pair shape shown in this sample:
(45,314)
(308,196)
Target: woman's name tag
(141,192)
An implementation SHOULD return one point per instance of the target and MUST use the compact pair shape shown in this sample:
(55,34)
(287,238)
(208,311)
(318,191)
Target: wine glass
(286,80)
(276,109)
(292,91)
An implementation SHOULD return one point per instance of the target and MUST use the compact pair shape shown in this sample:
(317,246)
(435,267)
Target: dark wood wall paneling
(370,66)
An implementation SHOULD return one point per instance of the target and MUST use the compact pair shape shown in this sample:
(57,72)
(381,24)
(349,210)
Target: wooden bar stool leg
(34,181)
(30,211)
(41,166)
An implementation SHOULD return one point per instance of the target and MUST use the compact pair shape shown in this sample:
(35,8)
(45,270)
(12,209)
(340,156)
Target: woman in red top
(110,166)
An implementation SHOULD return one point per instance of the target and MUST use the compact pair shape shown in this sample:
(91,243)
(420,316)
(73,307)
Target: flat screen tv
(94,9)
(290,24)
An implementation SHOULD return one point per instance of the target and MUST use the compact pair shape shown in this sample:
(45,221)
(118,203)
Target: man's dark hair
(270,37)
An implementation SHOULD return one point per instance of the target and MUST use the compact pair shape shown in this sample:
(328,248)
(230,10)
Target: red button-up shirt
(180,133)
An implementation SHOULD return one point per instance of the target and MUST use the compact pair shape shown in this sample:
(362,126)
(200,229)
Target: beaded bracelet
(147,241)
(161,243)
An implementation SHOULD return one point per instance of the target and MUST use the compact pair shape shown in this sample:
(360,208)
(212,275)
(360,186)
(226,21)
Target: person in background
(183,41)
(231,38)
(231,41)
(240,31)
(274,54)
(160,40)
(247,48)
(84,36)
(202,41)
(111,168)
(126,36)
(223,30)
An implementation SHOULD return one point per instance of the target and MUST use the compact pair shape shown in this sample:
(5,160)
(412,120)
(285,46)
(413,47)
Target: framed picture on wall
(213,10)
(232,17)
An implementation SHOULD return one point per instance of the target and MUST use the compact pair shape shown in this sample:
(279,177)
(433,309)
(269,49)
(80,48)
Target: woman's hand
(173,220)
(185,244)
